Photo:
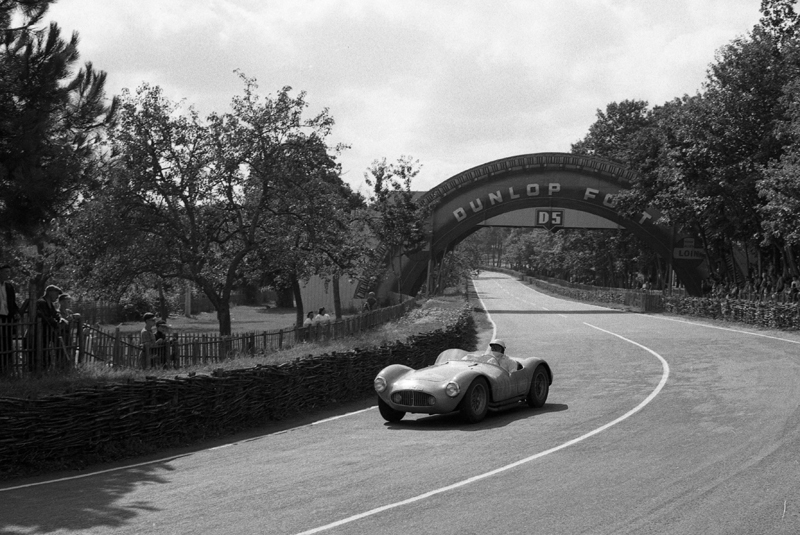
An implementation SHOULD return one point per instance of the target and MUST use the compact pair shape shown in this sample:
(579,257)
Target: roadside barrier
(776,314)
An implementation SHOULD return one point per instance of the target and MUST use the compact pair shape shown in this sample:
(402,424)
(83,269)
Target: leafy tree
(780,187)
(614,134)
(210,201)
(51,123)
(398,222)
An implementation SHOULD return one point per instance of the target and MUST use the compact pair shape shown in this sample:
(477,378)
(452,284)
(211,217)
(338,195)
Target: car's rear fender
(532,362)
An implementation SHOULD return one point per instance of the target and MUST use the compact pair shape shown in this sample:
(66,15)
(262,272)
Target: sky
(453,84)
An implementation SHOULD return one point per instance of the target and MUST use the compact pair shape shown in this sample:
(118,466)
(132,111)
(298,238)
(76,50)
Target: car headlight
(452,389)
(380,384)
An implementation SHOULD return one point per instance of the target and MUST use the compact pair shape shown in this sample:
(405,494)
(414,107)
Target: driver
(497,350)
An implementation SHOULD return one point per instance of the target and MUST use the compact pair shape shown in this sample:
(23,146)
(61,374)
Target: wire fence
(30,348)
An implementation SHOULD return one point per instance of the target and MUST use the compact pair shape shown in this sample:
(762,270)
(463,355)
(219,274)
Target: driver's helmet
(499,342)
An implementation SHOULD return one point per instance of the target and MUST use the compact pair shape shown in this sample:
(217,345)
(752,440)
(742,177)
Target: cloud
(453,83)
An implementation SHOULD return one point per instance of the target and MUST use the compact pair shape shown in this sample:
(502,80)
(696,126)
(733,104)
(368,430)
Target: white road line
(488,316)
(335,418)
(664,318)
(81,476)
(640,406)
(729,329)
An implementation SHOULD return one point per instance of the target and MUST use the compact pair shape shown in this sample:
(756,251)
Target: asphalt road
(654,424)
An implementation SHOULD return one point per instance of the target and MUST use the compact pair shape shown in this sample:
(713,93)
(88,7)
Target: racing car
(462,381)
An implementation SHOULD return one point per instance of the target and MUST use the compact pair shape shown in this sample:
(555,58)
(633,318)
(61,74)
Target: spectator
(321,317)
(63,306)
(148,339)
(162,343)
(50,320)
(9,314)
(308,323)
(371,303)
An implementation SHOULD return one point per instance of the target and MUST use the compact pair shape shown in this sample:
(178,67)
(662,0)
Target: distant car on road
(461,381)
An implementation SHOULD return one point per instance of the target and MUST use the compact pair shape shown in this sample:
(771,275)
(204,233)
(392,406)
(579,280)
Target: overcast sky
(453,84)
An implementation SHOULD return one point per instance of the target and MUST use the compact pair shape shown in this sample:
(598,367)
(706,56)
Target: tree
(52,126)
(614,134)
(51,123)
(398,220)
(209,201)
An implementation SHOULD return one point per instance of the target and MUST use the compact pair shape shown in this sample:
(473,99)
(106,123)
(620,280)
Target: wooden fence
(33,350)
(32,347)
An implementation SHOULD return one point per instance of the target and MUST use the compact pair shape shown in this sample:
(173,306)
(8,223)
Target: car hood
(440,372)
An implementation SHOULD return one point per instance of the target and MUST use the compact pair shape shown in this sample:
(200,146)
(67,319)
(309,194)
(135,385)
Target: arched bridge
(545,189)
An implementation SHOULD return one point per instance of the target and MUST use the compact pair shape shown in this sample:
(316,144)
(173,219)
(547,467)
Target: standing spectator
(162,343)
(63,306)
(322,317)
(323,320)
(49,318)
(9,314)
(371,302)
(148,339)
(308,323)
(764,287)
(795,288)
(747,291)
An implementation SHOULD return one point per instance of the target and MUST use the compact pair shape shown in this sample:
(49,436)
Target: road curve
(654,424)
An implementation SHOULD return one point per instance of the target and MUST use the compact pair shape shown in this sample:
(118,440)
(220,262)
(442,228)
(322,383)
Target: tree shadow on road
(65,506)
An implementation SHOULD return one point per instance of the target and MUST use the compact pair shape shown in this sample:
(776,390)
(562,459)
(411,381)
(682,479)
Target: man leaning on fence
(148,339)
(9,314)
(49,318)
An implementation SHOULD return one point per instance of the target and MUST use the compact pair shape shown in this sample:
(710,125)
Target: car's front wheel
(389,414)
(476,401)
(540,387)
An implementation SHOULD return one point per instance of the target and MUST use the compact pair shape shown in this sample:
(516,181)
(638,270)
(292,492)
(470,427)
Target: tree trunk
(298,299)
(163,311)
(224,317)
(337,299)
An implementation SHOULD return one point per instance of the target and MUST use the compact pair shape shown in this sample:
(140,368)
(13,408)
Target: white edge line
(729,329)
(640,406)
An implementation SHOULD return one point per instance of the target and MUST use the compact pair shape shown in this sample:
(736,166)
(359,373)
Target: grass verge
(429,315)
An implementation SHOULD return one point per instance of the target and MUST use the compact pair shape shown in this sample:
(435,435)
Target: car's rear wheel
(540,387)
(476,401)
(389,414)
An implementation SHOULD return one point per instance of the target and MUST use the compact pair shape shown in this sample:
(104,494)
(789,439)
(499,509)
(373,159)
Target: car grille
(412,398)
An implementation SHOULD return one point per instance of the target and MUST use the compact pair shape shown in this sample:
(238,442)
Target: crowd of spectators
(779,289)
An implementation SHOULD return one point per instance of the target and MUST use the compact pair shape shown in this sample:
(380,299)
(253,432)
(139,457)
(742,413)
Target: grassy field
(427,316)
(243,319)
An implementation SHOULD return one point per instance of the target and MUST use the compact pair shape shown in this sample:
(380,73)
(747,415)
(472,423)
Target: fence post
(79,335)
(116,351)
(280,339)
(195,351)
